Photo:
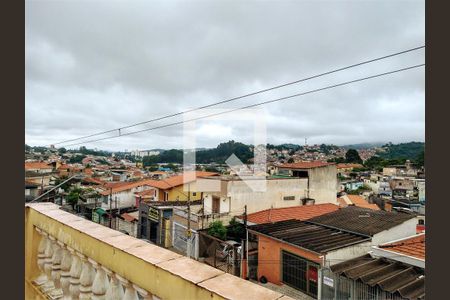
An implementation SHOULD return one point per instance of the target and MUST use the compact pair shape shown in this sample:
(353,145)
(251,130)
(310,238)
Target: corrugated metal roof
(362,220)
(390,276)
(317,238)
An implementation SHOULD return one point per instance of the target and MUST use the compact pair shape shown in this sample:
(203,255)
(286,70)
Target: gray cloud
(97,65)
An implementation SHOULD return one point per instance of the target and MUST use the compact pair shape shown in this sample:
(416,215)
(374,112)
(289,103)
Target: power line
(246,95)
(254,105)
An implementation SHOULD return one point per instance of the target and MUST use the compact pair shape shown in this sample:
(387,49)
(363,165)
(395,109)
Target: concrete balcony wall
(143,268)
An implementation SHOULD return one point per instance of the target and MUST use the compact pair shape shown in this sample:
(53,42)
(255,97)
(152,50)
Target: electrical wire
(255,104)
(247,95)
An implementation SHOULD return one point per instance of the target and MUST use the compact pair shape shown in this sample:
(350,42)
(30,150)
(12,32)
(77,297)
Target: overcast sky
(98,65)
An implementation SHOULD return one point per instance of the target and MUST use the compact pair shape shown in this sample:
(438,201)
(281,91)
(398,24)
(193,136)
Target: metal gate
(181,240)
(336,287)
(300,273)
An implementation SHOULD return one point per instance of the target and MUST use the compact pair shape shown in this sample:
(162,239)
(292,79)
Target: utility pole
(110,208)
(118,213)
(188,233)
(244,248)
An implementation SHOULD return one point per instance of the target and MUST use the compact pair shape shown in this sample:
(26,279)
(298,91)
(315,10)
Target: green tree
(352,156)
(420,160)
(62,150)
(218,230)
(290,160)
(236,229)
(337,160)
(73,197)
(65,186)
(76,159)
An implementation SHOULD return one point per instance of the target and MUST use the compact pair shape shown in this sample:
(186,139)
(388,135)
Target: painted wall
(403,230)
(124,198)
(180,193)
(340,255)
(269,258)
(323,184)
(237,194)
(129,227)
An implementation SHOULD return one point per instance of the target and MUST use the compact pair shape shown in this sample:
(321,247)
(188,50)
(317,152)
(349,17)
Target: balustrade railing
(69,258)
(69,274)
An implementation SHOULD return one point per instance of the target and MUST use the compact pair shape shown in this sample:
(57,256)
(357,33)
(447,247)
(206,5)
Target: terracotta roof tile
(165,184)
(37,165)
(306,165)
(348,165)
(414,246)
(357,201)
(303,212)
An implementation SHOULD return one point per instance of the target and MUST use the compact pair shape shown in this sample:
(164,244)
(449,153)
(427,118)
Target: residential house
(303,213)
(128,222)
(384,188)
(154,221)
(356,200)
(122,194)
(382,226)
(229,195)
(347,167)
(321,178)
(39,167)
(293,252)
(31,190)
(409,250)
(394,270)
(180,187)
(351,185)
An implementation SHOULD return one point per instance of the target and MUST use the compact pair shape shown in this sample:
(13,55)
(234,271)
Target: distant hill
(218,154)
(363,146)
(409,150)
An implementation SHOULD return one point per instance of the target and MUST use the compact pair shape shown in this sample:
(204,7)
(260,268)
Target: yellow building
(179,187)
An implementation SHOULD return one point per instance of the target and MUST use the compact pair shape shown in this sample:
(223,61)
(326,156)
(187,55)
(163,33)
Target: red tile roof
(357,201)
(37,165)
(302,213)
(129,217)
(414,246)
(94,180)
(348,166)
(306,165)
(150,192)
(164,184)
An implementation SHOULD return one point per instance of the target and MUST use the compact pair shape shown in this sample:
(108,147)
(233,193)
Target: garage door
(299,273)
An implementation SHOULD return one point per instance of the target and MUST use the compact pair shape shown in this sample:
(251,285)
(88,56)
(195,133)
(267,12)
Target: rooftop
(314,237)
(356,200)
(390,276)
(306,165)
(348,165)
(37,165)
(411,246)
(303,212)
(363,220)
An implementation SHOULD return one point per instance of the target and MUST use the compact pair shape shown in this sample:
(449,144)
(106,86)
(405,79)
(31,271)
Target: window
(421,222)
(300,174)
(194,194)
(287,198)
